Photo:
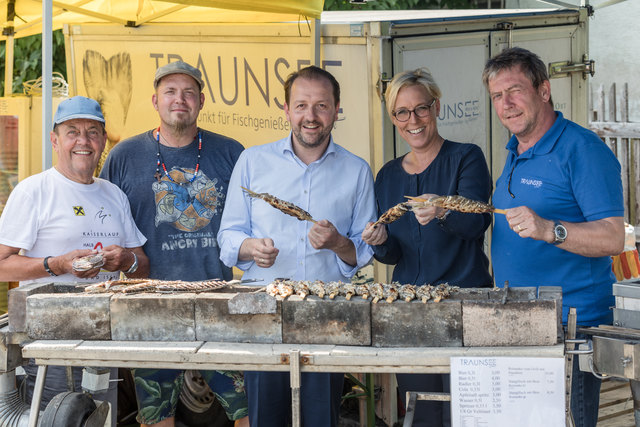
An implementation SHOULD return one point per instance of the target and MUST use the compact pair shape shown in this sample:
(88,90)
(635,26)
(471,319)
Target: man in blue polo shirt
(563,194)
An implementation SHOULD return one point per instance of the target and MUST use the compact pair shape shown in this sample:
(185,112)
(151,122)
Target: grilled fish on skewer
(393,214)
(459,203)
(407,292)
(206,285)
(272,289)
(376,291)
(390,292)
(148,286)
(109,285)
(348,290)
(333,289)
(301,288)
(362,290)
(443,291)
(88,262)
(424,293)
(317,288)
(282,205)
(285,289)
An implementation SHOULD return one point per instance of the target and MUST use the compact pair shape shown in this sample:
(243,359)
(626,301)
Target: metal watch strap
(134,266)
(47,268)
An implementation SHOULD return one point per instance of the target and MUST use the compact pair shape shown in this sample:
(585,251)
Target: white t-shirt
(48,214)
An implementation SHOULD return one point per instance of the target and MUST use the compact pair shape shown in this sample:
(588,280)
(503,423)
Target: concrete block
(153,317)
(17,303)
(228,317)
(474,294)
(415,324)
(554,293)
(249,303)
(519,323)
(515,293)
(324,321)
(68,316)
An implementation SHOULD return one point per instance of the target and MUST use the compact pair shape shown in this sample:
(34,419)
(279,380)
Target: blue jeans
(585,395)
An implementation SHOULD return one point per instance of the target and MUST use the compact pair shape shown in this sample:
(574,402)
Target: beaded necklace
(160,160)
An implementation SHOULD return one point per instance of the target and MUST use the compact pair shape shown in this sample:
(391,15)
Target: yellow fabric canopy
(28,13)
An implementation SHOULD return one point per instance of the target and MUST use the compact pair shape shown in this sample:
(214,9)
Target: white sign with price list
(507,391)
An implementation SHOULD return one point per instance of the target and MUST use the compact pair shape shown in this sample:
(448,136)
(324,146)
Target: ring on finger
(519,228)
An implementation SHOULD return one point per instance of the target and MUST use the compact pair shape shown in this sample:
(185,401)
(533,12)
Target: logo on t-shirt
(531,182)
(78,211)
(188,206)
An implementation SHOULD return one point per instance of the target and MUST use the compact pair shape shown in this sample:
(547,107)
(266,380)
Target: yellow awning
(28,13)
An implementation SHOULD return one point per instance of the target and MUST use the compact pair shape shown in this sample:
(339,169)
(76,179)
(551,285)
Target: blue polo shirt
(568,175)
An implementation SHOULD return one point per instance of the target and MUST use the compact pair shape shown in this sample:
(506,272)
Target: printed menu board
(507,391)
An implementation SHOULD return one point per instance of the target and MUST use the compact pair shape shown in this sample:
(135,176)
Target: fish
(390,292)
(283,206)
(407,292)
(459,203)
(393,214)
(376,291)
(88,262)
(348,290)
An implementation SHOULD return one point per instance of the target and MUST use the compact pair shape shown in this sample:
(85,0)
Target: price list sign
(507,391)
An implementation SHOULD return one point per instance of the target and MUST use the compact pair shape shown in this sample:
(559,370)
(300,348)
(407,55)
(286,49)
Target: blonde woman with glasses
(430,245)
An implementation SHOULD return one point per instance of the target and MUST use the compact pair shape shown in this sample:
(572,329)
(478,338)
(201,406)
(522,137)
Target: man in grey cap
(176,177)
(63,213)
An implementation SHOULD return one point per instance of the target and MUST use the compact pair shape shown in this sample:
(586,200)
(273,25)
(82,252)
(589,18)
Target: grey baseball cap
(178,67)
(78,107)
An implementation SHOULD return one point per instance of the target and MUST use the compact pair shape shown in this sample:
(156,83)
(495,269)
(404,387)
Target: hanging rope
(59,86)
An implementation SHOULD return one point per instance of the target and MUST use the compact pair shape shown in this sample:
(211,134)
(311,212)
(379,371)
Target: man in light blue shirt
(336,187)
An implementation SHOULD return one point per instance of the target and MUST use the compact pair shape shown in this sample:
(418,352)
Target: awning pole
(316,33)
(47,71)
(9,31)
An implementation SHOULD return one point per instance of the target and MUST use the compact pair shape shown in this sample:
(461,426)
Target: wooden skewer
(420,200)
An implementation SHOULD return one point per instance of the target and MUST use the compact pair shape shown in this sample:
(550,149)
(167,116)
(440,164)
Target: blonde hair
(418,77)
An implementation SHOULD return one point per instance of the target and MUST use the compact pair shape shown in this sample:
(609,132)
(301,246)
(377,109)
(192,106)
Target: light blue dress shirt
(337,187)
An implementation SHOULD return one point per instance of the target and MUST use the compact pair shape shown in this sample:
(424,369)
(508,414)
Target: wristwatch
(559,232)
(134,266)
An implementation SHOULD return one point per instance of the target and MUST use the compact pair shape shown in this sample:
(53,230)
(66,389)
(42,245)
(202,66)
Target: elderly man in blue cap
(64,213)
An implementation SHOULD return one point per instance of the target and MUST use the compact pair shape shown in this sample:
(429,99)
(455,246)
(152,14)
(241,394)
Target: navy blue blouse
(449,250)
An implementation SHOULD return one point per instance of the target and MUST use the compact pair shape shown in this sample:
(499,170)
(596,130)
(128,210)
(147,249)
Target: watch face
(560,232)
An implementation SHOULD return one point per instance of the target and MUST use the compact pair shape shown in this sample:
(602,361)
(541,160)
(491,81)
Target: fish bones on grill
(461,204)
(88,262)
(393,214)
(282,205)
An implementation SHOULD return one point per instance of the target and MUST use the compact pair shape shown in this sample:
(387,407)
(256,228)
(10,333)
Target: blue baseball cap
(78,107)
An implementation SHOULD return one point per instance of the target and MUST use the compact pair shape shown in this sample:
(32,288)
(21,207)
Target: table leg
(294,364)
(37,396)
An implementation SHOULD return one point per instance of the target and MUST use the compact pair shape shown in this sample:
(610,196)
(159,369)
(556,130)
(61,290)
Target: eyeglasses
(513,196)
(403,114)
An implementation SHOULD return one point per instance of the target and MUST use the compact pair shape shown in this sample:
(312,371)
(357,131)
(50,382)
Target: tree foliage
(27,62)
(398,4)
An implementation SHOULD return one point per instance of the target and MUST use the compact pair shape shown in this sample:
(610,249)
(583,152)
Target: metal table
(294,358)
